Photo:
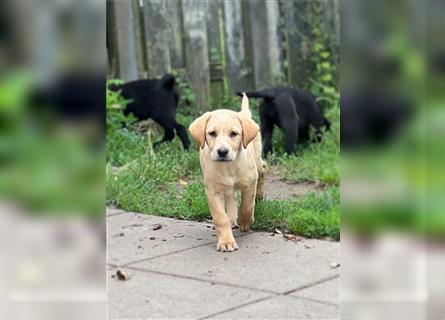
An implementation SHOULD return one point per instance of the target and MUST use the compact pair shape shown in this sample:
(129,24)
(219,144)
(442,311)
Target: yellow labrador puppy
(230,157)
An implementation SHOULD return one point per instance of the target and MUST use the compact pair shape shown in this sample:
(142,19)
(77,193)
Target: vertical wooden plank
(157,33)
(215,52)
(236,64)
(266,44)
(247,32)
(111,41)
(196,51)
(174,16)
(275,41)
(213,35)
(297,28)
(126,40)
(139,33)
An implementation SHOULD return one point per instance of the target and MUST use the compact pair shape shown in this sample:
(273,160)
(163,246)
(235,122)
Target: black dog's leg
(291,140)
(266,133)
(169,134)
(182,133)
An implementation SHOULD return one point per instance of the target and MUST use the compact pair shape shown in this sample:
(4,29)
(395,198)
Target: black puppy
(371,117)
(291,110)
(156,99)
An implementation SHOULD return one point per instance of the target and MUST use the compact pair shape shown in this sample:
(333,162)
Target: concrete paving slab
(153,296)
(282,307)
(113,211)
(263,262)
(327,292)
(130,236)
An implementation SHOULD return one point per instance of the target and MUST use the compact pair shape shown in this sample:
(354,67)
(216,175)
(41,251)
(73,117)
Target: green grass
(153,182)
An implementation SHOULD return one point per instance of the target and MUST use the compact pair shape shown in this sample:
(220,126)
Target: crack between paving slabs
(287,293)
(237,307)
(203,280)
(274,293)
(176,251)
(314,300)
(310,284)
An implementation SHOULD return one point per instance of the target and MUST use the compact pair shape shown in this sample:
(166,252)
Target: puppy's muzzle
(222,154)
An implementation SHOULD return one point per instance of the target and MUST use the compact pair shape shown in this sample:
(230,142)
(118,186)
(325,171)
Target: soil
(277,188)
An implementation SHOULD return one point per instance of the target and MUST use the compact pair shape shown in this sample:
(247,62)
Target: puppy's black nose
(222,152)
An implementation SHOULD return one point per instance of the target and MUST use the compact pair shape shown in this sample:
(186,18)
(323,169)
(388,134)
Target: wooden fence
(220,46)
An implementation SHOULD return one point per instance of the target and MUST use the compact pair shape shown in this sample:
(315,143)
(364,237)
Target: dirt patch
(277,188)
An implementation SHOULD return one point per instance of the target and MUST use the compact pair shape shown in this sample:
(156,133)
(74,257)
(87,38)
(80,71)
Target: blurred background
(392,177)
(52,179)
(52,193)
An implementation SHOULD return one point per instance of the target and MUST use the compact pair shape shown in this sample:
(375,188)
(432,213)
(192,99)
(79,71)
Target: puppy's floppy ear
(250,129)
(198,129)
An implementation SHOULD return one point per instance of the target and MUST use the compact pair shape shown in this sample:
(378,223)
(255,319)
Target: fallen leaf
(179,235)
(157,226)
(334,265)
(122,275)
(292,237)
(119,235)
(278,231)
(182,182)
(152,238)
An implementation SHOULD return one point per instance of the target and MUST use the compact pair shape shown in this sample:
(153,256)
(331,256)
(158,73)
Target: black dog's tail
(168,82)
(265,94)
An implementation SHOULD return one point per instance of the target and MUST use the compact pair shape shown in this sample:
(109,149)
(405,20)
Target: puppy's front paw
(228,245)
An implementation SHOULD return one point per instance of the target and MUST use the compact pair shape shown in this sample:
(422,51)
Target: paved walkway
(176,273)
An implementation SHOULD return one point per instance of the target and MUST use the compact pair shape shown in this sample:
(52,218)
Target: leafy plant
(115,103)
(323,84)
(185,91)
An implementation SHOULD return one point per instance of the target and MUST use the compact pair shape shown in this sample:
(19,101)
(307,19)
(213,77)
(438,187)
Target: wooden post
(157,33)
(196,51)
(111,41)
(266,44)
(237,67)
(175,38)
(126,40)
(297,28)
(216,56)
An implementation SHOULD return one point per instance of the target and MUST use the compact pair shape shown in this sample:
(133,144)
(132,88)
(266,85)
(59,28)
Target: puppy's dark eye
(233,134)
(212,134)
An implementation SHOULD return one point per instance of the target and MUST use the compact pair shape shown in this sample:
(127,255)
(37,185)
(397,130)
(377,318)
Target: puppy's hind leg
(169,134)
(266,133)
(291,133)
(260,183)
(182,133)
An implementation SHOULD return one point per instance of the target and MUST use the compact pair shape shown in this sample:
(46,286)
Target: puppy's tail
(245,106)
